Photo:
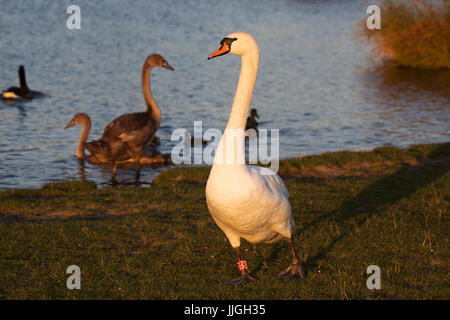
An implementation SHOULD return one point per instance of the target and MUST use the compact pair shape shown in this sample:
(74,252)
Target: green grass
(414,34)
(161,243)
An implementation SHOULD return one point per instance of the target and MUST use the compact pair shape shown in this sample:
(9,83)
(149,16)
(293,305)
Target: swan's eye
(229,41)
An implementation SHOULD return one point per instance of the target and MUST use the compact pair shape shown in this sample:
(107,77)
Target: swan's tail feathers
(283,230)
(277,237)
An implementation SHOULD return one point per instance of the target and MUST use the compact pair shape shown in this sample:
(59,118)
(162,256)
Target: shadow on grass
(383,193)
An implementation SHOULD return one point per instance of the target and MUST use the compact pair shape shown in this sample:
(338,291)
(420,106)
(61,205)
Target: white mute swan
(247,202)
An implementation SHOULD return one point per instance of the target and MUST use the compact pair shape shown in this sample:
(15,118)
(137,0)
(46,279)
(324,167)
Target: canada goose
(22,92)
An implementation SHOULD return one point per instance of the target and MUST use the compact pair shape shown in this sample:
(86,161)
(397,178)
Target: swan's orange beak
(223,49)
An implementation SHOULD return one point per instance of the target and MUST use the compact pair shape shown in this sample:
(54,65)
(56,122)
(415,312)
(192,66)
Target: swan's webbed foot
(294,271)
(243,279)
(242,265)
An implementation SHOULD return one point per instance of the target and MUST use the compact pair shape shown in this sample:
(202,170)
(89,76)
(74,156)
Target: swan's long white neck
(244,91)
(231,148)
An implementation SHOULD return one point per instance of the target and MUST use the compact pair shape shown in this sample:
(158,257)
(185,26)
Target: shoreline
(312,171)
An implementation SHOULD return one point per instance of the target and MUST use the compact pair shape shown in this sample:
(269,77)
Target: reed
(414,34)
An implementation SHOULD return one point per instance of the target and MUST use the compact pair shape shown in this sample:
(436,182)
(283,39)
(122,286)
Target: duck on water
(251,121)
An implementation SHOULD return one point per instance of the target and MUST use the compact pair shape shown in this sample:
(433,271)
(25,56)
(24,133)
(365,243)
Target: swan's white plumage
(247,202)
(249,205)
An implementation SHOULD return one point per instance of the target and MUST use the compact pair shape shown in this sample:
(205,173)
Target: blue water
(317,82)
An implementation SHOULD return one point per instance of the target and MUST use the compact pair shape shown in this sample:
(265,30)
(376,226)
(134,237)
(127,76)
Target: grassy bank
(413,33)
(387,207)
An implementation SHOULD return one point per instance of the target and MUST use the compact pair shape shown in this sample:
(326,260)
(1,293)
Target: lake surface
(318,82)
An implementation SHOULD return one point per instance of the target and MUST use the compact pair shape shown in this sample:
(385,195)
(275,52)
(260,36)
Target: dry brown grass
(414,34)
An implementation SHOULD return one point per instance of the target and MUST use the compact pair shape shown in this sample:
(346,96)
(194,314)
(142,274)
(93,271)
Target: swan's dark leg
(82,169)
(138,168)
(245,276)
(137,159)
(114,170)
(295,270)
